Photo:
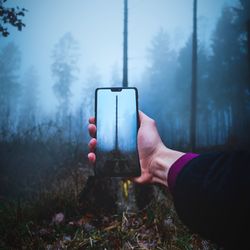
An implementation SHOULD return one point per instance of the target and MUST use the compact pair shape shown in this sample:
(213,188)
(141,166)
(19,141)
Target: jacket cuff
(176,168)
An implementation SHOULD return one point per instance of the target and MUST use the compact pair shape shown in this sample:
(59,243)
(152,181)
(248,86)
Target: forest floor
(155,227)
(53,216)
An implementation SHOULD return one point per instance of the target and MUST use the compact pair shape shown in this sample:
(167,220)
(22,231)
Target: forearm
(162,163)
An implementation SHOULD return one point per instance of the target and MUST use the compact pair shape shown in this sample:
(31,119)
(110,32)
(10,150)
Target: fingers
(143,179)
(91,157)
(92,120)
(92,130)
(92,126)
(92,145)
(92,142)
(139,180)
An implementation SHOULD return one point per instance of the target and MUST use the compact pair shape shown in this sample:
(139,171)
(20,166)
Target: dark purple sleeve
(211,195)
(177,167)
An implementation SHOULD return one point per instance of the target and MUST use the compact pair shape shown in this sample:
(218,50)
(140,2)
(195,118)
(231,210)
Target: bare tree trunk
(248,42)
(248,53)
(217,127)
(125,46)
(208,125)
(194,82)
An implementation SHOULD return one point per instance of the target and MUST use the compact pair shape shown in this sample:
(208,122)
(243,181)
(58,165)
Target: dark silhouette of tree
(229,74)
(243,21)
(11,16)
(194,81)
(125,46)
(64,68)
(222,102)
(182,92)
(10,59)
(203,101)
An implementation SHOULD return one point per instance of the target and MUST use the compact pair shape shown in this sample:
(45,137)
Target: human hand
(155,158)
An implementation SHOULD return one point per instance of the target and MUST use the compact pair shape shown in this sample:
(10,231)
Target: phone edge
(138,126)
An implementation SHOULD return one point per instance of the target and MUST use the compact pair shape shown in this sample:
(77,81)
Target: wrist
(162,161)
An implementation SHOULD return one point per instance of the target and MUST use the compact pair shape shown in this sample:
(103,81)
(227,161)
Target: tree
(183,80)
(243,22)
(10,59)
(10,16)
(125,46)
(182,90)
(64,68)
(229,74)
(194,81)
(29,99)
(160,94)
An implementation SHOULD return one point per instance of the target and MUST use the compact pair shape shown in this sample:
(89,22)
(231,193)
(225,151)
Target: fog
(50,69)
(97,27)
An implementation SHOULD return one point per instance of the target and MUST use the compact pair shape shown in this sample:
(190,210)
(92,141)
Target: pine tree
(64,69)
(194,81)
(229,75)
(10,59)
(29,99)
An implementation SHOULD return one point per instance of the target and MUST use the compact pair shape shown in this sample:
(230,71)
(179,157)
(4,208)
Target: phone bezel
(119,89)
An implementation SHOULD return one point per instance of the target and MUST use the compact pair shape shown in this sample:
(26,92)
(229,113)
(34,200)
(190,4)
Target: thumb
(144,178)
(143,117)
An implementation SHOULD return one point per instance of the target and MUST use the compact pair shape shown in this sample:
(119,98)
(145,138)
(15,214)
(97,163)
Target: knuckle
(153,122)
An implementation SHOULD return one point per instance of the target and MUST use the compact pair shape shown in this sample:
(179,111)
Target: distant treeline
(164,89)
(35,146)
(223,103)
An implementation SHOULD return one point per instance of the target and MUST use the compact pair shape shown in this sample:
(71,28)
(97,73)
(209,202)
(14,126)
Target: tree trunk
(194,82)
(107,195)
(125,46)
(248,75)
(248,42)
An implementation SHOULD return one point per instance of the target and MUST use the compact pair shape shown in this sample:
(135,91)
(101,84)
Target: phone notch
(116,89)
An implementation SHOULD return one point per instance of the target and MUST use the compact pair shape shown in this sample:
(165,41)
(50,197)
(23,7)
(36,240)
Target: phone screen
(117,126)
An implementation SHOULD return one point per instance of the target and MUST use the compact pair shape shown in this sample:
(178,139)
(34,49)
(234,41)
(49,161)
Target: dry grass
(155,227)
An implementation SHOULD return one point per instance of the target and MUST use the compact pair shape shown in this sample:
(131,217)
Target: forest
(49,198)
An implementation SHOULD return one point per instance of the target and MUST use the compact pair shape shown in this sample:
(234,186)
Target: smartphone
(117,123)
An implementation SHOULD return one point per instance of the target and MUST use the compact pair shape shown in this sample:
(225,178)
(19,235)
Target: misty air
(189,61)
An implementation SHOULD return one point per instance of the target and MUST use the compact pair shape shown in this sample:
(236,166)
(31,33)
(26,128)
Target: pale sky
(97,25)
